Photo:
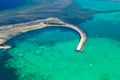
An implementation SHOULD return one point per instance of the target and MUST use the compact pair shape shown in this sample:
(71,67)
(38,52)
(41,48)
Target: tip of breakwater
(3,46)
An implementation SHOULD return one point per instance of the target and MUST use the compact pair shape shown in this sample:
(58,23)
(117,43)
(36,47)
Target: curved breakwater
(13,30)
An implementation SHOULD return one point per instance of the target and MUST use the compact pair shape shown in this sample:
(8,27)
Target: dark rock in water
(76,15)
(105,77)
(100,36)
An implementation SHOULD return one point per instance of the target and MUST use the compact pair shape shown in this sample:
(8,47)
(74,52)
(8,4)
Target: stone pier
(9,31)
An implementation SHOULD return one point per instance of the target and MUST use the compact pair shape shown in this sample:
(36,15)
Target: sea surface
(49,53)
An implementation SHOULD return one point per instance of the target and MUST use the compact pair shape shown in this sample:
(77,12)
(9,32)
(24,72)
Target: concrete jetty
(9,31)
(82,35)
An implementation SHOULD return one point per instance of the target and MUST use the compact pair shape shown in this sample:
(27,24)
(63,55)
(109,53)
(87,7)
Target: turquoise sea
(49,53)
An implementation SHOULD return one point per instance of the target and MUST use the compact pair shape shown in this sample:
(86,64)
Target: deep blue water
(8,4)
(6,74)
(43,41)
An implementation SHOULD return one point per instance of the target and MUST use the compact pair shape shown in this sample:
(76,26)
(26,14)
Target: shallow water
(102,5)
(49,54)
(56,58)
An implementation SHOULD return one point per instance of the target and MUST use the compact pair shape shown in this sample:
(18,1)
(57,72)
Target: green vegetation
(56,24)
